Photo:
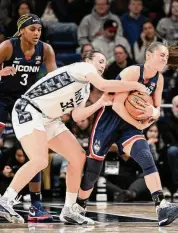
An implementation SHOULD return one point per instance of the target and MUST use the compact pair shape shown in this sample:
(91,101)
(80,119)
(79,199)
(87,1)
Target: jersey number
(24,81)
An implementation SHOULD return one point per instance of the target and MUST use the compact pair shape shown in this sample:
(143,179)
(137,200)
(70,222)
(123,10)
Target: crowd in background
(121,30)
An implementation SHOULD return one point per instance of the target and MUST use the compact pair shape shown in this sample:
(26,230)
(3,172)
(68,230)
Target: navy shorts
(6,106)
(109,128)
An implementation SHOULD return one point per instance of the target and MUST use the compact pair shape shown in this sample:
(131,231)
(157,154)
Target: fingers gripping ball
(135,103)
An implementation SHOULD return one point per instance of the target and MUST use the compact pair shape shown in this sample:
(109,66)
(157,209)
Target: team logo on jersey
(38,58)
(16,62)
(18,58)
(96,146)
(153,84)
(21,68)
(37,62)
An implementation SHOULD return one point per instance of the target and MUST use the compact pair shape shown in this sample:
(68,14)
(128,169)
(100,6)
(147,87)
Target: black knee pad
(141,153)
(92,171)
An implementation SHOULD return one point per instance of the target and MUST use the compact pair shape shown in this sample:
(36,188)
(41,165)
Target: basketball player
(25,54)
(36,120)
(115,125)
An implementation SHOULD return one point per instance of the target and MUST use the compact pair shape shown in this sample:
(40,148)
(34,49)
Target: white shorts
(26,120)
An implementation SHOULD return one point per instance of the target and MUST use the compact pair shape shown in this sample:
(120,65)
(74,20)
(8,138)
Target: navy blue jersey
(151,84)
(26,68)
(110,128)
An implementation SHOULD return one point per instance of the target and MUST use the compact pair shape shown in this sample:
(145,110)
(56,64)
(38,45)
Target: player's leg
(101,139)
(36,148)
(3,114)
(137,147)
(67,145)
(36,212)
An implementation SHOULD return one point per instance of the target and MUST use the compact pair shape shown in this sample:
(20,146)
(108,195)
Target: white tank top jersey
(60,91)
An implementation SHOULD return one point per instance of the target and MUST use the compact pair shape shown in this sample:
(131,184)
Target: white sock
(10,194)
(70,199)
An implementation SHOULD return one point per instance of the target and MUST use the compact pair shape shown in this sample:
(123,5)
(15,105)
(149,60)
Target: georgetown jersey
(60,91)
(26,70)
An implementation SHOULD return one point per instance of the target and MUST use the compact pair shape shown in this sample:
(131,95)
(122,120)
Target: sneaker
(166,192)
(39,214)
(167,213)
(7,211)
(73,215)
(81,210)
(175,195)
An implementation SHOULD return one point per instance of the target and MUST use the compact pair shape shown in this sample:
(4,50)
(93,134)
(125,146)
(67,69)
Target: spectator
(2,34)
(55,30)
(122,61)
(148,36)
(82,130)
(169,132)
(109,39)
(133,20)
(92,25)
(167,27)
(154,10)
(85,48)
(24,7)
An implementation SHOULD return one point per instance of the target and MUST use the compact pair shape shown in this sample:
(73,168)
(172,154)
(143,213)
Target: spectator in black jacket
(169,131)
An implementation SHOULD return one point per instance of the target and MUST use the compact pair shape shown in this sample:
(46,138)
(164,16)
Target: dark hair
(147,21)
(121,46)
(107,2)
(23,19)
(83,46)
(91,54)
(135,1)
(27,3)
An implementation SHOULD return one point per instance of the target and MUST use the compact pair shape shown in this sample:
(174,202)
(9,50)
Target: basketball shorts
(25,118)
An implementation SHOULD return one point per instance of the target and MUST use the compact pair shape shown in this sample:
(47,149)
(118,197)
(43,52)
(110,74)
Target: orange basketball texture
(134,102)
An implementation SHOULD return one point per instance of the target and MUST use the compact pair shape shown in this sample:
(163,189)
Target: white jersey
(60,91)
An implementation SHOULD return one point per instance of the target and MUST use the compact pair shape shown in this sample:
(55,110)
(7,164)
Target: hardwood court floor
(126,218)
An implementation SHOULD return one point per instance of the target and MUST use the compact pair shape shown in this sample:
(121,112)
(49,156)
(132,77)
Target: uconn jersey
(151,84)
(26,70)
(59,92)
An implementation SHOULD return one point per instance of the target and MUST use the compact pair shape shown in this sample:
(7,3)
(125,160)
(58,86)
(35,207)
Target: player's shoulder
(131,72)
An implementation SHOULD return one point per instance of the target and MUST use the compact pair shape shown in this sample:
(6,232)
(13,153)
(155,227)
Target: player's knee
(40,162)
(92,171)
(78,160)
(141,153)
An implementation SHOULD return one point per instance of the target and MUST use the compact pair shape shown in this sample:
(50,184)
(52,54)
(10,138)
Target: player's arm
(153,111)
(49,58)
(117,85)
(157,97)
(5,54)
(119,108)
(82,112)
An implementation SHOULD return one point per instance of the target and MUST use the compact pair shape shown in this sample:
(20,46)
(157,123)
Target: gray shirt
(92,24)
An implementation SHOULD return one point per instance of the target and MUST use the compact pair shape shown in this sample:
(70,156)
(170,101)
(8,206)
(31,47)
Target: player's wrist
(155,113)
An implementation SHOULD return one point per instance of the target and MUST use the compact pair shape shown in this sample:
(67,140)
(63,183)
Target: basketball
(135,101)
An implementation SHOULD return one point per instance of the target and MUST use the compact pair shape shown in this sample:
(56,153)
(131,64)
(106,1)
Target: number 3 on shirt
(24,81)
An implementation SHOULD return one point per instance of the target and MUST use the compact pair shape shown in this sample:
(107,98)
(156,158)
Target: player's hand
(140,87)
(8,70)
(147,111)
(144,123)
(106,99)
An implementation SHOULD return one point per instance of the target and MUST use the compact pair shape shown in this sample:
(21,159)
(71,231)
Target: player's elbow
(76,117)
